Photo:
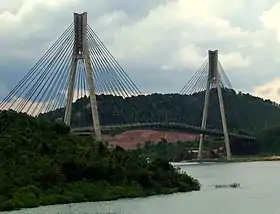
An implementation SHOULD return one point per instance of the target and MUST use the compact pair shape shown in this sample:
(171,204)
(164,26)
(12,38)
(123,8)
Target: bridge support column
(204,118)
(81,52)
(70,92)
(214,80)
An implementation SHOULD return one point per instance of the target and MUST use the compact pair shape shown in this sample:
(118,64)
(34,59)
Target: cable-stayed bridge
(161,126)
(79,69)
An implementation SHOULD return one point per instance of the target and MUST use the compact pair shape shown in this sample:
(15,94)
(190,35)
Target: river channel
(259,194)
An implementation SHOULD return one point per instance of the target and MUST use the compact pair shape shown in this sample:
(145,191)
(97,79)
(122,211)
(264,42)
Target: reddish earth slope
(130,139)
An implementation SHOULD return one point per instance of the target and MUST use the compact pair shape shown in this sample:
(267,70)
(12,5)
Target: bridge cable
(24,81)
(105,70)
(114,86)
(77,118)
(200,84)
(224,77)
(188,88)
(99,70)
(50,86)
(46,74)
(28,85)
(112,59)
(60,85)
(27,97)
(86,94)
(193,77)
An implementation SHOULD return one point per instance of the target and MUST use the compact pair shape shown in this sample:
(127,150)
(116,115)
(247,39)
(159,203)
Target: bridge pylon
(68,80)
(81,53)
(214,79)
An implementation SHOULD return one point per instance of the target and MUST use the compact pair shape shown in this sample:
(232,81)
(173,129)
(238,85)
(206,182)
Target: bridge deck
(159,125)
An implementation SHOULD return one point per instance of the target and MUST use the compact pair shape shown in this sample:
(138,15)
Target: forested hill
(244,111)
(41,164)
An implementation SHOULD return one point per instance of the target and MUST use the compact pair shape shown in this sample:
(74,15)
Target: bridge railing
(161,125)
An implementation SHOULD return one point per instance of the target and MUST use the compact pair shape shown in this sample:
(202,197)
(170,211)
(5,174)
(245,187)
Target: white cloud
(26,8)
(269,90)
(271,18)
(162,43)
(233,60)
(167,35)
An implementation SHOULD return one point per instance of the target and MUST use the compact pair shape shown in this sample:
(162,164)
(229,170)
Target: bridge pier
(214,79)
(81,52)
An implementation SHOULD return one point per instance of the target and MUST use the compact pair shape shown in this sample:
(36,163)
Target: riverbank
(78,192)
(249,197)
(41,164)
(255,158)
(238,159)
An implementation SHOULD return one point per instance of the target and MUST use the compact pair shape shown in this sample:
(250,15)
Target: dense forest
(267,144)
(42,164)
(213,148)
(173,152)
(269,140)
(244,112)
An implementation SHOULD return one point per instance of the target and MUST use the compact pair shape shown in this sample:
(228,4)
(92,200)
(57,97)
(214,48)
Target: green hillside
(41,164)
(243,111)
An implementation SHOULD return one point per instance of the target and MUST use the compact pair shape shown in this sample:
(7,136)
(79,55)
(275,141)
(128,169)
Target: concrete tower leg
(214,78)
(89,71)
(222,108)
(204,118)
(93,101)
(70,92)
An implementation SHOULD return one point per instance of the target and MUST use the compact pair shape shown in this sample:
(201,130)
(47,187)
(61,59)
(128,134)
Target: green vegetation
(41,164)
(181,151)
(244,112)
(267,145)
(173,152)
(269,140)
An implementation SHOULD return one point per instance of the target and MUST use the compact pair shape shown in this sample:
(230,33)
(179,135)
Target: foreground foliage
(41,164)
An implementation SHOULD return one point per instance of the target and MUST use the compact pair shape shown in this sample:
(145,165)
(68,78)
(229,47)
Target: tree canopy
(41,163)
(243,111)
(269,140)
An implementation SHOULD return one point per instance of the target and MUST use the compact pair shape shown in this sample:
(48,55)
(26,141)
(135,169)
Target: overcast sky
(159,43)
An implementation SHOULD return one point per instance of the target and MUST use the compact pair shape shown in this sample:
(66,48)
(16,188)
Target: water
(259,194)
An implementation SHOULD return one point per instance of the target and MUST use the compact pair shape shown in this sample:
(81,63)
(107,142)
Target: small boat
(233,185)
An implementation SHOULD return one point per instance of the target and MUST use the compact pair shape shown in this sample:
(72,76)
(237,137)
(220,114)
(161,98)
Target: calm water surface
(259,194)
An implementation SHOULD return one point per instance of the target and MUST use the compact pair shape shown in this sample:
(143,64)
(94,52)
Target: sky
(159,43)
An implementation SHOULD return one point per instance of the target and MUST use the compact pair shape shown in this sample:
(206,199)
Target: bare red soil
(130,139)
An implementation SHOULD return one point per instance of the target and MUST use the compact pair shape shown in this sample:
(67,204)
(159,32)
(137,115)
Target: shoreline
(256,158)
(235,159)
(64,199)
